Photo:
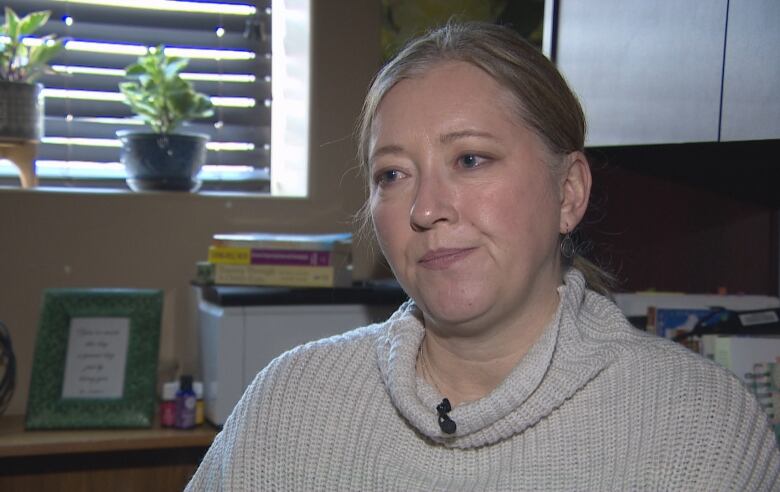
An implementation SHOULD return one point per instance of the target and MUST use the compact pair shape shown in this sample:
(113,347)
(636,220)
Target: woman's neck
(465,369)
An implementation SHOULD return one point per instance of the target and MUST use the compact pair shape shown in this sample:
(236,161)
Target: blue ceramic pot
(155,162)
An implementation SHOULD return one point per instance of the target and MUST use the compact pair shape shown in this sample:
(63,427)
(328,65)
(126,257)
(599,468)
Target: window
(229,45)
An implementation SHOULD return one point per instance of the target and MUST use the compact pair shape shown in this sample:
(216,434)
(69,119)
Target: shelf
(15,441)
(375,293)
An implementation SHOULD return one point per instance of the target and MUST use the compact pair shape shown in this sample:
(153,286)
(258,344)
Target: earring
(567,246)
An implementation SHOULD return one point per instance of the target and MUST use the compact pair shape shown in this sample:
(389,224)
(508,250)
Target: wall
(54,238)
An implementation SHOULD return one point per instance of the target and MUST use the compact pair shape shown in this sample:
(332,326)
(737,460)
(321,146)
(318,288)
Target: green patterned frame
(46,409)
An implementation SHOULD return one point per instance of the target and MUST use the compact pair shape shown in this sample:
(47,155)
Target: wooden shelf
(15,441)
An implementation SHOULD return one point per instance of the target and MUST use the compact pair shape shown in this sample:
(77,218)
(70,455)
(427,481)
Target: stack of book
(285,260)
(741,333)
(756,361)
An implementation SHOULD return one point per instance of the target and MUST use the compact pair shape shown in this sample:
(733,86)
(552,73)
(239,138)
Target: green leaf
(41,55)
(32,22)
(23,63)
(149,65)
(174,67)
(11,25)
(134,69)
(159,95)
(142,108)
(129,87)
(202,107)
(178,86)
(180,102)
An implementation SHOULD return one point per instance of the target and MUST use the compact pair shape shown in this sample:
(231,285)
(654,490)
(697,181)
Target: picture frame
(95,359)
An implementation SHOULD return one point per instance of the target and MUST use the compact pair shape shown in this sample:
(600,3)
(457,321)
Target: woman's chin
(456,317)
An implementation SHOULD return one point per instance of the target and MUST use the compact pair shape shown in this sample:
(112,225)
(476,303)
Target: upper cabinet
(653,71)
(751,79)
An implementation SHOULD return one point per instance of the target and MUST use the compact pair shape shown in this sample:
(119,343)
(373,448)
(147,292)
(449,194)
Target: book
(755,361)
(698,328)
(262,240)
(765,385)
(274,275)
(257,256)
(636,304)
(672,322)
(639,307)
(707,346)
(740,354)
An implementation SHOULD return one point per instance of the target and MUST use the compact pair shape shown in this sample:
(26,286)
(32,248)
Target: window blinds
(228,43)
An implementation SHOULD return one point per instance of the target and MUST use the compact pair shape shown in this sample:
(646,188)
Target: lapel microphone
(447,425)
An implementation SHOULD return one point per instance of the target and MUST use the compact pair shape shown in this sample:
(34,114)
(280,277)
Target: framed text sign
(95,362)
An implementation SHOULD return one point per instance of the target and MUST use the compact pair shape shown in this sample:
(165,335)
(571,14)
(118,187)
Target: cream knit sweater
(594,405)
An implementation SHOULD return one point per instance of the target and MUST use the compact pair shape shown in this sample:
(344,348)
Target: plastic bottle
(186,403)
(168,404)
(200,417)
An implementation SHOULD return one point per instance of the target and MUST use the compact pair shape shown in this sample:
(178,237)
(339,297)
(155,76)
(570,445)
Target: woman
(504,371)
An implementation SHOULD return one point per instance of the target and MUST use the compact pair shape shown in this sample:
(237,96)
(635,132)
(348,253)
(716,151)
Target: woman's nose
(433,203)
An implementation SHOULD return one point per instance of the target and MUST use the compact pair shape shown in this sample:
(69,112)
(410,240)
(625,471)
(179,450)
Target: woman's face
(464,205)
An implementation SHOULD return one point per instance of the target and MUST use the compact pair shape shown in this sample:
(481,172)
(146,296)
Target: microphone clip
(447,425)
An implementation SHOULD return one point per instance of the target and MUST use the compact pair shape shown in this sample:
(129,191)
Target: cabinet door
(751,80)
(646,71)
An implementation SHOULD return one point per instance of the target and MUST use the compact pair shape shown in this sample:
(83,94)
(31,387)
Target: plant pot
(21,111)
(21,126)
(158,162)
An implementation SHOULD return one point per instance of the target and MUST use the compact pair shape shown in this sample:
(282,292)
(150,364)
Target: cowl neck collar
(561,362)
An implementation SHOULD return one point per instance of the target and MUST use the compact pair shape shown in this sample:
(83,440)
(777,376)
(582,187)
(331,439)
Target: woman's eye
(470,160)
(387,177)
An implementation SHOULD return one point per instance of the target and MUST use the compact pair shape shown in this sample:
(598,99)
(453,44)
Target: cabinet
(86,460)
(751,79)
(653,71)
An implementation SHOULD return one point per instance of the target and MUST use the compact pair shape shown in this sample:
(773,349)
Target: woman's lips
(439,259)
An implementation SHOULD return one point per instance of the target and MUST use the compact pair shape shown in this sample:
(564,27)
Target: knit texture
(594,405)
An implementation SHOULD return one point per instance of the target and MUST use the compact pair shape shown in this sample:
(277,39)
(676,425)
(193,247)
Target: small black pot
(155,162)
(21,111)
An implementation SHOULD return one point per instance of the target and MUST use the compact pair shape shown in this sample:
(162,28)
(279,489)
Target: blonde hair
(544,102)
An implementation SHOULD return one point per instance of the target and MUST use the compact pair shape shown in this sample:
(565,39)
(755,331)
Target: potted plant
(21,98)
(162,159)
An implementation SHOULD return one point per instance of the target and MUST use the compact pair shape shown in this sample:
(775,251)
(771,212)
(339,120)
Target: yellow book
(279,275)
(230,256)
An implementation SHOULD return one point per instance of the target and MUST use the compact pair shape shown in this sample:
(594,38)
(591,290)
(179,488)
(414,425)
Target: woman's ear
(575,190)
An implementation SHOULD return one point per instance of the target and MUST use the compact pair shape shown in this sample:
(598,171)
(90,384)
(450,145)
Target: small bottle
(185,404)
(197,386)
(168,404)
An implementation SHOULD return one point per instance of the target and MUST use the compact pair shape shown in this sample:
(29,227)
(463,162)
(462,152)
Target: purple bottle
(185,404)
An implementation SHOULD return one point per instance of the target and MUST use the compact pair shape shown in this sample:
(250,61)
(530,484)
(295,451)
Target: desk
(149,460)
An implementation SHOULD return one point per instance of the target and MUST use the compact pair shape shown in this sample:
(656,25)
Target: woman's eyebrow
(391,149)
(452,136)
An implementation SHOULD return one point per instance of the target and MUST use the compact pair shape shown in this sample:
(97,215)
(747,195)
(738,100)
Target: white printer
(241,329)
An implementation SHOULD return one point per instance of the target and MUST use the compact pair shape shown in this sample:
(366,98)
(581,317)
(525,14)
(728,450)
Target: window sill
(87,190)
